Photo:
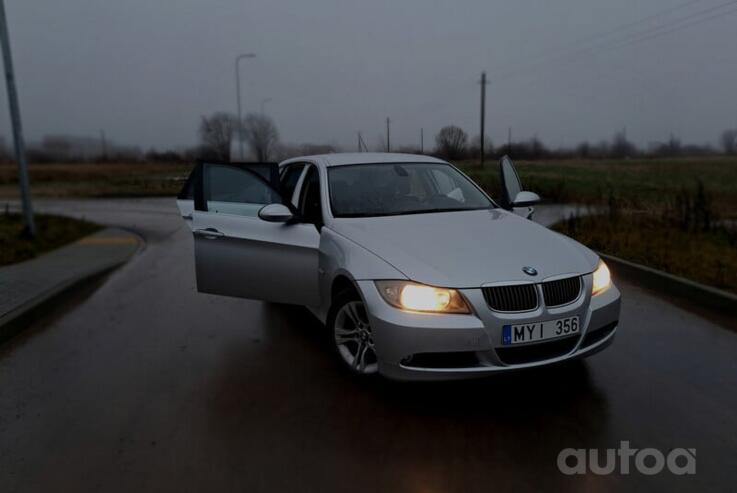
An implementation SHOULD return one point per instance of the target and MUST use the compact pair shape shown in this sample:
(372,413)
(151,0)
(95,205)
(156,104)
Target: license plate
(539,331)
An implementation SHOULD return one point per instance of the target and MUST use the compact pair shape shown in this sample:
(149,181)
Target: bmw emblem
(530,271)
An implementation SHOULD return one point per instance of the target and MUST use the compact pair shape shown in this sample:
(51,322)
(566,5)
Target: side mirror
(525,199)
(275,213)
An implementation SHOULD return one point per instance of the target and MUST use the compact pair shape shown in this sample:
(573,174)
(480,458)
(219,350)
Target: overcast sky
(145,70)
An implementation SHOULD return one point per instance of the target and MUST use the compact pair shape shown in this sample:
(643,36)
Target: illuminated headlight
(420,298)
(602,278)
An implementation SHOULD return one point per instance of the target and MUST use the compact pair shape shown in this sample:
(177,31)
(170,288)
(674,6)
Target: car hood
(468,248)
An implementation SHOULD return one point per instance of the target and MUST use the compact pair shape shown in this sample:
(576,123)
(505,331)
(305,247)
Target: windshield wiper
(414,212)
(448,209)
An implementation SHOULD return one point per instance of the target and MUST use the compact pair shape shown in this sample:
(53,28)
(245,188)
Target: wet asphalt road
(145,385)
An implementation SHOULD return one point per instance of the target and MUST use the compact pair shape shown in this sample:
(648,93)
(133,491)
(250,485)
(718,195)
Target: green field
(706,256)
(646,184)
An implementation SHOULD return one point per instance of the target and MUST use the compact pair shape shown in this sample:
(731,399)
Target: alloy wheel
(354,339)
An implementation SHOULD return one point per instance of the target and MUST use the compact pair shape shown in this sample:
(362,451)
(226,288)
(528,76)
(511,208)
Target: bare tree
(474,148)
(729,141)
(451,142)
(216,132)
(621,147)
(261,133)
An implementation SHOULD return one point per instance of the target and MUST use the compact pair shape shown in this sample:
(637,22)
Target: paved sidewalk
(27,285)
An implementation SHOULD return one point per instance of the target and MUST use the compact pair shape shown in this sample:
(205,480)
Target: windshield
(365,190)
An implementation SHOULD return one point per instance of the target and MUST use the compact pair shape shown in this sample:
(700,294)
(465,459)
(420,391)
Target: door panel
(256,259)
(238,254)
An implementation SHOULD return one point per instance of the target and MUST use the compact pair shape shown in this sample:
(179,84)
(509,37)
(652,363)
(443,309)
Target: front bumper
(415,346)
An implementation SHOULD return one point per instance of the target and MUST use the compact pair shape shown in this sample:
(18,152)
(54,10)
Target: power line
(630,38)
(614,30)
(677,28)
(609,40)
(483,114)
(628,25)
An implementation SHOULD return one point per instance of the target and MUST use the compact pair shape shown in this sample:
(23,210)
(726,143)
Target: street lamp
(263,105)
(20,152)
(238,96)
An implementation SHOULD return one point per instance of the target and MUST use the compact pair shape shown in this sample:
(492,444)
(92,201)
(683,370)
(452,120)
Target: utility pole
(263,105)
(238,97)
(422,140)
(388,135)
(103,145)
(20,151)
(483,115)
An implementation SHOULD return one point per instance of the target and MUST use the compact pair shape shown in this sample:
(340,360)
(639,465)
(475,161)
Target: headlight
(420,298)
(602,278)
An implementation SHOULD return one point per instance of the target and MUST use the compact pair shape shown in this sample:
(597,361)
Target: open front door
(514,198)
(185,198)
(239,254)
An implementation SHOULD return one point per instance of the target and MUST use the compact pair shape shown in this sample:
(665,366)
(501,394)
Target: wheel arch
(342,283)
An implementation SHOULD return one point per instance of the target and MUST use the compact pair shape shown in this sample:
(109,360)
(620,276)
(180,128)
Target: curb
(15,320)
(704,296)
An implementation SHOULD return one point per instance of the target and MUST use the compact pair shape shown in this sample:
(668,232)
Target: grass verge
(704,255)
(52,232)
(636,183)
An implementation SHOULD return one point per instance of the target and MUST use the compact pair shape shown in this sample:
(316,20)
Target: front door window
(230,189)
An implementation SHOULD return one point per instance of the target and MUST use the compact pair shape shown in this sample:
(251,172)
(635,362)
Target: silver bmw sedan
(416,272)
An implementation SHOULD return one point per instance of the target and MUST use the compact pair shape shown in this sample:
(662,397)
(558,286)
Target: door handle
(209,233)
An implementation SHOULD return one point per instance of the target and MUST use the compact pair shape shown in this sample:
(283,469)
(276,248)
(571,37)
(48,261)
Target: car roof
(348,158)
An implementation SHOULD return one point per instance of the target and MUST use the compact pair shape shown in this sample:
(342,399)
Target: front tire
(351,334)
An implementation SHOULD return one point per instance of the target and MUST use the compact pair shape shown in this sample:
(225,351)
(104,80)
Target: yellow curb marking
(108,240)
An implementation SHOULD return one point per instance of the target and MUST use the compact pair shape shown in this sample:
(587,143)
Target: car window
(442,181)
(310,205)
(403,188)
(233,190)
(289,179)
